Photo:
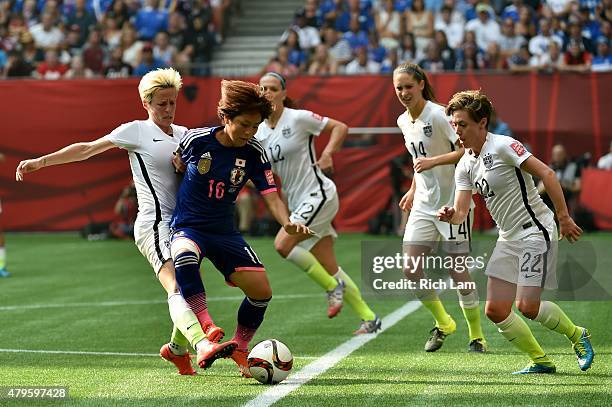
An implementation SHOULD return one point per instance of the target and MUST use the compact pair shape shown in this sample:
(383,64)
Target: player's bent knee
(183,245)
(261,290)
(283,247)
(496,312)
(264,294)
(257,292)
(529,309)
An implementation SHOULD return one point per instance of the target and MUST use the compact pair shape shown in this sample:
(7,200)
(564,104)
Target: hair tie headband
(279,77)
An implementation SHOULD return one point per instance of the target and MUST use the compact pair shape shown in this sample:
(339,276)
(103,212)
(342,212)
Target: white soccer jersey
(150,152)
(509,192)
(430,135)
(291,151)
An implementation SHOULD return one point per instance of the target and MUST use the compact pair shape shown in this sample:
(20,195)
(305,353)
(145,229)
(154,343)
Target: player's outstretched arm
(567,226)
(278,209)
(457,213)
(74,152)
(338,133)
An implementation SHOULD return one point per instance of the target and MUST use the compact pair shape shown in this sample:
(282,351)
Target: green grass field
(68,294)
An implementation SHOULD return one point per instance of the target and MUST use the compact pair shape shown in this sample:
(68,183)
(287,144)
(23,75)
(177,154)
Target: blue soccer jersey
(214,176)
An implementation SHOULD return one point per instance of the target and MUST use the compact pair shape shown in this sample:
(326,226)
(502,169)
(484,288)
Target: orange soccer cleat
(182,362)
(240,357)
(213,351)
(213,332)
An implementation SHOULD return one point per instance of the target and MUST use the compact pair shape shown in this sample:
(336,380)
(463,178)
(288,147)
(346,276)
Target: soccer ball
(270,361)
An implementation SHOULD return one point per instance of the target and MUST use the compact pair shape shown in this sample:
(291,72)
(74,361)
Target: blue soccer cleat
(536,368)
(584,350)
(335,299)
(369,327)
(4,273)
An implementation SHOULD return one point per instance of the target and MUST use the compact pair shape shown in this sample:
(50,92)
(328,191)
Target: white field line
(70,352)
(329,360)
(147,302)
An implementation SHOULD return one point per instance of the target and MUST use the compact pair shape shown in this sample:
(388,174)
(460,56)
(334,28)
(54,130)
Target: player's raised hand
(445,214)
(423,164)
(405,203)
(27,166)
(297,229)
(568,229)
(326,164)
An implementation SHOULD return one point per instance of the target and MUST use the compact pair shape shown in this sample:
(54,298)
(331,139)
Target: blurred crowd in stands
(53,39)
(119,38)
(374,36)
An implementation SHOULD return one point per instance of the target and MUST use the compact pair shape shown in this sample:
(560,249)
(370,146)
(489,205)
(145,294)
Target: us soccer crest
(487,160)
(286,132)
(237,175)
(428,130)
(204,163)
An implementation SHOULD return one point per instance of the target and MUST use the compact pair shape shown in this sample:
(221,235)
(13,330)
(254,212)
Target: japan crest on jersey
(204,163)
(428,130)
(237,175)
(487,160)
(286,132)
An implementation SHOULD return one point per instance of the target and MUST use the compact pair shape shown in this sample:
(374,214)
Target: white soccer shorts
(318,215)
(153,242)
(529,262)
(426,230)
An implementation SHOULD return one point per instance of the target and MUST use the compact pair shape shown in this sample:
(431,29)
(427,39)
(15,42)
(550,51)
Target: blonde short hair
(162,78)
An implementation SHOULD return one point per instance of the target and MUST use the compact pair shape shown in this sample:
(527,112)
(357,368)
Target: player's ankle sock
(517,332)
(430,300)
(552,317)
(353,297)
(184,319)
(250,316)
(178,343)
(200,308)
(309,263)
(470,305)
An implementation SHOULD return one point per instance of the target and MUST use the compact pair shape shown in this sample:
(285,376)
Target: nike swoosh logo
(158,139)
(530,275)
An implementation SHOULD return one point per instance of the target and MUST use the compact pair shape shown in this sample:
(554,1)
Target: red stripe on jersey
(250,269)
(268,191)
